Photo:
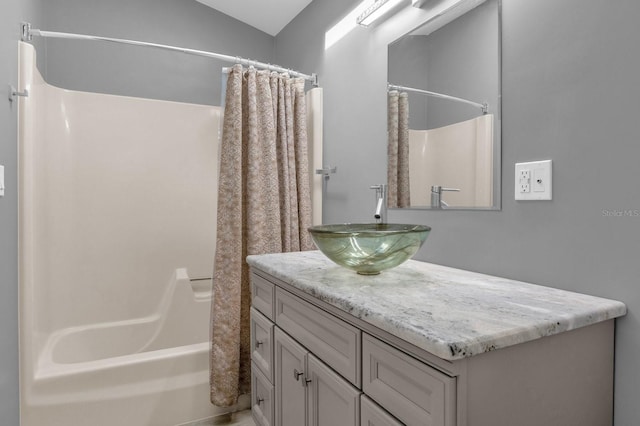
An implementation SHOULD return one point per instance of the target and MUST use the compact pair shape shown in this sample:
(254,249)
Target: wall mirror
(444,111)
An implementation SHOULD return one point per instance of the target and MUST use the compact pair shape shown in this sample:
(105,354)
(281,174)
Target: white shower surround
(459,156)
(117,212)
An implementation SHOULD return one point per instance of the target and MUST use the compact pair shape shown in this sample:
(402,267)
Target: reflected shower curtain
(264,206)
(398,150)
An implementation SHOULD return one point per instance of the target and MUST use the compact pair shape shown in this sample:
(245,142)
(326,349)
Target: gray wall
(570,94)
(139,71)
(12,13)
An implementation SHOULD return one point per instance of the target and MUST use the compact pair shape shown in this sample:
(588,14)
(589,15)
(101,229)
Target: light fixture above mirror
(376,11)
(418,3)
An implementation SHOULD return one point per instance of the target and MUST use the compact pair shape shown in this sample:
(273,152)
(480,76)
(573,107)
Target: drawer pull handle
(296,374)
(260,400)
(259,343)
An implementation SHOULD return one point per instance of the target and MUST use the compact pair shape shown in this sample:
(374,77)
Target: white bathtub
(147,371)
(117,208)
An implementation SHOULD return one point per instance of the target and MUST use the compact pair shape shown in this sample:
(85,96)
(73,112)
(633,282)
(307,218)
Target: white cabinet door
(290,385)
(331,400)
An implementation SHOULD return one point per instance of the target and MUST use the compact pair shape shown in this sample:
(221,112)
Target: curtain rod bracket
(13,93)
(314,80)
(26,31)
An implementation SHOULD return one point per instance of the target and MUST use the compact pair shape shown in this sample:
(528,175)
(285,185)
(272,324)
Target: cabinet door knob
(297,374)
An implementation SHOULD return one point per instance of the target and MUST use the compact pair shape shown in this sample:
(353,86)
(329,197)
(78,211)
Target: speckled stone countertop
(448,312)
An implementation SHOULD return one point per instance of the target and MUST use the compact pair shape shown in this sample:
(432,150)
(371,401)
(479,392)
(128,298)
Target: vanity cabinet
(303,389)
(312,368)
(337,349)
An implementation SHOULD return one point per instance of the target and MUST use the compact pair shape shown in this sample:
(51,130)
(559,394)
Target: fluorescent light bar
(345,25)
(375,11)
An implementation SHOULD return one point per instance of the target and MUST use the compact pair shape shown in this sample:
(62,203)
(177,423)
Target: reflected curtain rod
(484,106)
(28,33)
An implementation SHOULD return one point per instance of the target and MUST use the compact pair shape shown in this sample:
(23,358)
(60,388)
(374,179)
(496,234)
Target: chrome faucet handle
(436,196)
(381,190)
(438,189)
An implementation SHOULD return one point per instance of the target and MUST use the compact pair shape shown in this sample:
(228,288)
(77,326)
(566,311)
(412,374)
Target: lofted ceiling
(269,16)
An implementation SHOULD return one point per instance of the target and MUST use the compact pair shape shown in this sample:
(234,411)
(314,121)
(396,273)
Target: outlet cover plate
(533,180)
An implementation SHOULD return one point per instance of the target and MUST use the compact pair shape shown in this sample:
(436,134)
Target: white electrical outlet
(523,185)
(533,180)
(1,181)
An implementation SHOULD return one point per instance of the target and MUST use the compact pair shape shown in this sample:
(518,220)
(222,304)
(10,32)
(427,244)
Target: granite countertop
(448,312)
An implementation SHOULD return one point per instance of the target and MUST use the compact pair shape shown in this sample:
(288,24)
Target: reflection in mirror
(444,111)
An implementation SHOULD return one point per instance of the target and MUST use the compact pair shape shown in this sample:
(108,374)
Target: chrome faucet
(436,196)
(381,205)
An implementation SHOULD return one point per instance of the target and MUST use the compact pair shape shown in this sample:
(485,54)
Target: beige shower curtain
(398,150)
(264,206)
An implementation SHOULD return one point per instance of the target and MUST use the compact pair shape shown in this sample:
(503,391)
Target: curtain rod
(484,106)
(28,33)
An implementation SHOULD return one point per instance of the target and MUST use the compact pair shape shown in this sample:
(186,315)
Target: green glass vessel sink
(369,248)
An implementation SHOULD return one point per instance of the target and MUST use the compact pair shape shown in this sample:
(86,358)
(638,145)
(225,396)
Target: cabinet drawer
(335,342)
(261,398)
(262,295)
(262,343)
(412,391)
(372,415)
